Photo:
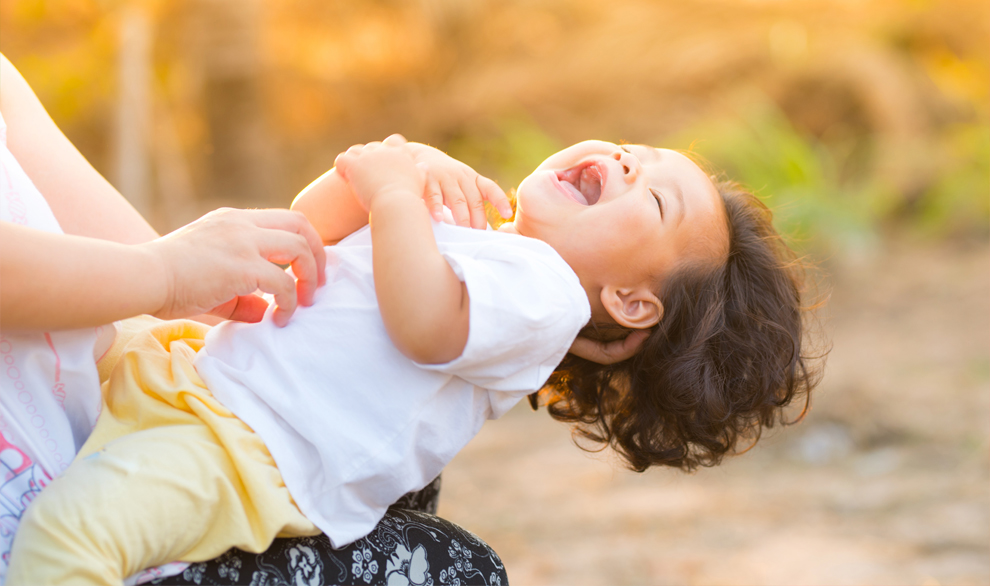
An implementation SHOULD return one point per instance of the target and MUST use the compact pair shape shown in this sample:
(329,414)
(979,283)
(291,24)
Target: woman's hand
(215,264)
(62,281)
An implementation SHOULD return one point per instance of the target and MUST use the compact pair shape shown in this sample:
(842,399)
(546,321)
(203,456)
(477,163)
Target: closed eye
(657,196)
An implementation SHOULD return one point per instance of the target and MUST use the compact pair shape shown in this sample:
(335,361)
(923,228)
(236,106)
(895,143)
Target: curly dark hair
(721,365)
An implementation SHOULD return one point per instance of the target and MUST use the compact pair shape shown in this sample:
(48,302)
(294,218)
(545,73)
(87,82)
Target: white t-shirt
(49,386)
(351,422)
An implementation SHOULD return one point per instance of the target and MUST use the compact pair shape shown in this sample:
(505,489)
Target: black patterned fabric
(409,547)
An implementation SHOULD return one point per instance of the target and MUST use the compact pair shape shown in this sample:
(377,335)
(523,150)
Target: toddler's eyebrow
(651,150)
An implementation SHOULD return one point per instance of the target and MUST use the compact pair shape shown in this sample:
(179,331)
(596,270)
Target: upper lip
(588,178)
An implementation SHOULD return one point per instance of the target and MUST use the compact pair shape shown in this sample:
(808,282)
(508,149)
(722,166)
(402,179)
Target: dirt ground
(885,482)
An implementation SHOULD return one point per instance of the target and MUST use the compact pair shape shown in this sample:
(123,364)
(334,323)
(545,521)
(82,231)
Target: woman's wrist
(58,281)
(159,285)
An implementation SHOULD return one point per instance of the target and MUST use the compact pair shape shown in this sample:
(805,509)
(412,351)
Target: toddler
(673,295)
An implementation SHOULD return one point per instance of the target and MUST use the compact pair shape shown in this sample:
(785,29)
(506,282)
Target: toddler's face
(629,213)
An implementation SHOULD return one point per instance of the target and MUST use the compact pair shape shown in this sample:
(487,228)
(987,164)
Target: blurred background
(864,125)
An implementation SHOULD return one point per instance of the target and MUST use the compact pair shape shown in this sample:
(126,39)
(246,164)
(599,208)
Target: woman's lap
(406,547)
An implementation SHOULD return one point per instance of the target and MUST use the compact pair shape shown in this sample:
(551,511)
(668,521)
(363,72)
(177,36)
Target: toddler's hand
(380,167)
(457,185)
(609,352)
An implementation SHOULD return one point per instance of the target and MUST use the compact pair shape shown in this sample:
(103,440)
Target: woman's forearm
(59,281)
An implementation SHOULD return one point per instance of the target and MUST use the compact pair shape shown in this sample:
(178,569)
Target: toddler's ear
(632,307)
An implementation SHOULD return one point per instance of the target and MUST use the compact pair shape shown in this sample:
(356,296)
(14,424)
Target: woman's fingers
(278,283)
(609,352)
(290,221)
(245,308)
(218,261)
(292,249)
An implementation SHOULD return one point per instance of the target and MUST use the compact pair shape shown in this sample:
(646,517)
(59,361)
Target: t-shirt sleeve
(526,305)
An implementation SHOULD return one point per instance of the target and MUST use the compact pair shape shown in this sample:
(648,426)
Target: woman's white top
(351,422)
(49,386)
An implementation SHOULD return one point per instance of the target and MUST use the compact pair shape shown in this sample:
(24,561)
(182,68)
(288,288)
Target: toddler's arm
(330,207)
(334,211)
(424,305)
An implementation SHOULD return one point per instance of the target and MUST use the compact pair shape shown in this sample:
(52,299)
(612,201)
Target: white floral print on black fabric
(195,573)
(364,566)
(230,566)
(405,568)
(305,567)
(406,548)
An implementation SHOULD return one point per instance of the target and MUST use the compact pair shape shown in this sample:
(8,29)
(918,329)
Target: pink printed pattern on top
(15,205)
(58,390)
(26,399)
(50,389)
(22,480)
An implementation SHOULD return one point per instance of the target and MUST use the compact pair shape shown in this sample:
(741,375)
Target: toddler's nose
(630,165)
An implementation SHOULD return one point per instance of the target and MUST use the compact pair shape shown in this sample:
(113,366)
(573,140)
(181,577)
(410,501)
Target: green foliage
(959,201)
(822,209)
(798,178)
(507,151)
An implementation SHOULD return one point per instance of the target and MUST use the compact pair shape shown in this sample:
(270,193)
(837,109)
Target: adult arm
(62,281)
(84,203)
(96,272)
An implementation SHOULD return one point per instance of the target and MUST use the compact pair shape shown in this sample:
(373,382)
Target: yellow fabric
(168,474)
(126,330)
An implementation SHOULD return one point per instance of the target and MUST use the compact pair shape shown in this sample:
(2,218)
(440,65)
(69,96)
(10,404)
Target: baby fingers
(493,194)
(432,194)
(475,203)
(394,140)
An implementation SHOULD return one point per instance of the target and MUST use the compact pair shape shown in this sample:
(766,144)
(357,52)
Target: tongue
(591,182)
(577,195)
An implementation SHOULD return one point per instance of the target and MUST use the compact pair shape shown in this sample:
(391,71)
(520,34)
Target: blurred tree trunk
(227,39)
(132,123)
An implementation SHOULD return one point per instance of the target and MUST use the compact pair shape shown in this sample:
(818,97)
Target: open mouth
(583,183)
